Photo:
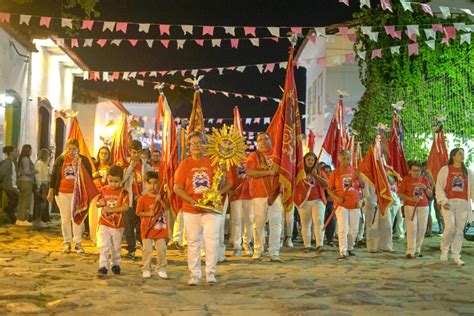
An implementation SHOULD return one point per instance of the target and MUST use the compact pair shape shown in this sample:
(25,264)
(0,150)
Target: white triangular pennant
(60,42)
(275,31)
(362,54)
(140,83)
(445,12)
(240,69)
(430,33)
(283,65)
(133,74)
(85,75)
(255,41)
(150,42)
(25,19)
(413,29)
(431,44)
(216,42)
(172,72)
(187,29)
(221,70)
(366,30)
(406,5)
(466,38)
(125,75)
(116,42)
(105,76)
(153,73)
(144,27)
(460,26)
(260,67)
(337,60)
(194,72)
(180,43)
(66,23)
(88,42)
(374,36)
(108,26)
(395,50)
(364,3)
(230,30)
(320,31)
(467,11)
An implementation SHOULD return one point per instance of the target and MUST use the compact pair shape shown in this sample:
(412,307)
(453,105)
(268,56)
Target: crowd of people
(135,202)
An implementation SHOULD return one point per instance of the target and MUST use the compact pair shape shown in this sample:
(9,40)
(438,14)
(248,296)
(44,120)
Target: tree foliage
(436,82)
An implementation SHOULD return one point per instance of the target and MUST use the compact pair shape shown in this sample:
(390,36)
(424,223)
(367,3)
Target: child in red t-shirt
(151,208)
(114,202)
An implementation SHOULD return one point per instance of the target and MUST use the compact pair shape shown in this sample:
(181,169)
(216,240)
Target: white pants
(242,218)
(202,228)
(179,233)
(385,230)
(400,224)
(261,210)
(312,212)
(454,220)
(379,231)
(68,227)
(160,246)
(110,240)
(348,226)
(289,223)
(416,228)
(221,256)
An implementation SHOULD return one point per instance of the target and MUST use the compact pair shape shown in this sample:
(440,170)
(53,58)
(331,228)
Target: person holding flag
(343,187)
(454,192)
(415,190)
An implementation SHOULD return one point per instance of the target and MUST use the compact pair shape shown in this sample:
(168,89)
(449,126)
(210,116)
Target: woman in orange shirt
(192,178)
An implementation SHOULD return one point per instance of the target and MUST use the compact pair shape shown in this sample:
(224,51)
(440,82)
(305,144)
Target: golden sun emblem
(226,146)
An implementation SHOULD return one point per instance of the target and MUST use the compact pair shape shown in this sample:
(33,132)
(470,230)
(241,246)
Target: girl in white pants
(454,192)
(313,207)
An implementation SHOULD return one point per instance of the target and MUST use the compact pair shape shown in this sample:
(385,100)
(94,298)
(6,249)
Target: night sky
(239,13)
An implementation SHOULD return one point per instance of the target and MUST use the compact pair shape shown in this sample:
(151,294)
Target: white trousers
(202,228)
(379,231)
(110,241)
(289,223)
(222,247)
(68,227)
(179,233)
(400,224)
(261,210)
(312,212)
(416,228)
(241,219)
(348,226)
(147,253)
(454,220)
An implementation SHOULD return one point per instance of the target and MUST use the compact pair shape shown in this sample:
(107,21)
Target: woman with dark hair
(41,209)
(66,170)
(102,165)
(26,179)
(454,192)
(312,202)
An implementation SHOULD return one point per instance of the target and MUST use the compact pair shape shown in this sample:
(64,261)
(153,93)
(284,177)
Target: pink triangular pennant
(411,36)
(376,53)
(346,2)
(397,34)
(207,69)
(263,99)
(142,73)
(219,121)
(200,42)
(74,43)
(426,7)
(449,33)
(165,43)
(238,95)
(269,68)
(163,72)
(101,42)
(349,58)
(389,29)
(437,27)
(352,37)
(183,72)
(386,5)
(133,42)
(250,30)
(5,17)
(297,30)
(212,91)
(121,26)
(172,86)
(234,42)
(413,49)
(164,29)
(207,30)
(45,21)
(256,120)
(343,30)
(230,68)
(87,25)
(115,75)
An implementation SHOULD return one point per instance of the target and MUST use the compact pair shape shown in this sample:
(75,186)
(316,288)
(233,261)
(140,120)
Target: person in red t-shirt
(454,192)
(114,203)
(343,187)
(153,211)
(415,190)
(134,184)
(313,205)
(192,178)
(102,165)
(266,198)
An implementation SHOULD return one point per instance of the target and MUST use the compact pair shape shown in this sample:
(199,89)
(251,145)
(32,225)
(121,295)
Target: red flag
(396,155)
(285,131)
(238,121)
(196,120)
(438,154)
(76,133)
(334,141)
(373,170)
(119,148)
(311,138)
(84,192)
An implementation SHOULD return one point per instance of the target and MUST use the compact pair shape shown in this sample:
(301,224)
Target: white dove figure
(381,127)
(398,106)
(194,81)
(342,93)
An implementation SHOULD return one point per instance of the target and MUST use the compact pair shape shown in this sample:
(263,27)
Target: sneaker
(410,256)
(131,255)
(146,274)
(237,253)
(306,249)
(256,257)
(319,249)
(276,259)
(67,248)
(351,253)
(330,243)
(40,224)
(23,223)
(342,257)
(444,256)
(102,272)
(78,248)
(162,273)
(116,270)
(211,278)
(419,254)
(458,262)
(194,280)
(289,242)
(174,246)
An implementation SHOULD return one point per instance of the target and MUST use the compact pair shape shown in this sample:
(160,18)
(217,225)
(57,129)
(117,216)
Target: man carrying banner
(266,199)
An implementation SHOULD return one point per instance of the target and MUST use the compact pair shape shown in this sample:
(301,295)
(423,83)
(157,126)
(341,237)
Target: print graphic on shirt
(137,176)
(417,191)
(201,182)
(310,180)
(69,172)
(457,184)
(241,172)
(347,182)
(112,203)
(102,174)
(161,222)
(269,161)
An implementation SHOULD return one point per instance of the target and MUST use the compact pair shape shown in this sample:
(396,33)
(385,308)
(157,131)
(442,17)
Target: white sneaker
(458,262)
(211,278)
(194,280)
(23,223)
(444,256)
(40,224)
(289,242)
(146,274)
(162,273)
